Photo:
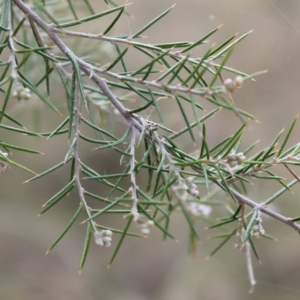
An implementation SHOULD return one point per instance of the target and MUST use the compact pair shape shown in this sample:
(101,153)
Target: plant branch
(137,123)
(85,67)
(128,41)
(260,206)
(14,73)
(263,208)
(77,167)
(203,92)
(134,187)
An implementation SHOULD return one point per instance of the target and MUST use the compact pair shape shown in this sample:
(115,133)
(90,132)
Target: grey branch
(134,122)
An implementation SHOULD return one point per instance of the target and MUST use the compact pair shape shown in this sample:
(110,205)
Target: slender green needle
(6,99)
(124,233)
(114,21)
(287,137)
(151,23)
(86,246)
(72,221)
(90,18)
(224,242)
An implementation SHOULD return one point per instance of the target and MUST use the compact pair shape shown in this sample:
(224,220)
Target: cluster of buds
(191,187)
(257,229)
(232,85)
(144,224)
(3,164)
(198,210)
(103,238)
(235,159)
(20,93)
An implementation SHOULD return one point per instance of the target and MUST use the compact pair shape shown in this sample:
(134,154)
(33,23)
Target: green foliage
(177,181)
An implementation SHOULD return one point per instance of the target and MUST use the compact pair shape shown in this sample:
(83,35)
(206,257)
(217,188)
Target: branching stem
(134,122)
(134,187)
(77,167)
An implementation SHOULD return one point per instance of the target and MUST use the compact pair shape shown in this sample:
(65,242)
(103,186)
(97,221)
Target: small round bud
(107,233)
(145,231)
(103,238)
(99,241)
(21,93)
(238,81)
(256,234)
(194,192)
(184,187)
(229,85)
(150,223)
(193,186)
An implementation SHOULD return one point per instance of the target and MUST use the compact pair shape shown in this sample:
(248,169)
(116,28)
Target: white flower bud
(193,186)
(144,224)
(184,187)
(238,81)
(256,234)
(150,223)
(21,93)
(194,192)
(107,241)
(145,231)
(229,85)
(107,233)
(103,238)
(99,241)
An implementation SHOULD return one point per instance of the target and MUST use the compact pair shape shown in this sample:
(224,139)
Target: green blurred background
(145,268)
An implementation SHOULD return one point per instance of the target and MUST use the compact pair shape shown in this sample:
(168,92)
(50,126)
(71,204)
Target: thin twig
(12,58)
(292,172)
(264,209)
(77,167)
(203,92)
(134,187)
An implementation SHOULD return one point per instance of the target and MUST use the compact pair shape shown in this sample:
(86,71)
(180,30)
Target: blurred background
(146,268)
